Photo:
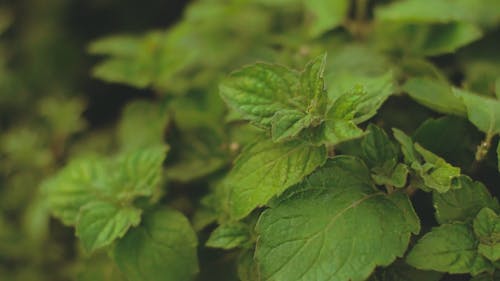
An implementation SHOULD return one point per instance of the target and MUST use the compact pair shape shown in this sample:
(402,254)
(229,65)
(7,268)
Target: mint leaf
(139,172)
(276,97)
(100,223)
(266,169)
(381,155)
(435,172)
(448,248)
(436,95)
(483,112)
(287,124)
(229,236)
(326,14)
(118,180)
(357,97)
(261,90)
(487,230)
(162,248)
(312,234)
(464,202)
(73,187)
(142,125)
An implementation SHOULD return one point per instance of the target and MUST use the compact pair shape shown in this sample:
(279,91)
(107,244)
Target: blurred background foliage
(64,94)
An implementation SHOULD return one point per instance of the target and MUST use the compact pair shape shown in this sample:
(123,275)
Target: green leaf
(381,155)
(229,236)
(487,230)
(139,172)
(266,169)
(448,248)
(101,223)
(483,112)
(315,235)
(272,96)
(119,180)
(162,248)
(436,95)
(326,14)
(338,131)
(437,173)
(358,97)
(377,147)
(464,202)
(261,90)
(142,124)
(287,124)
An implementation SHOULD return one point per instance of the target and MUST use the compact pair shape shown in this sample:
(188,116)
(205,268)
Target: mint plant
(275,141)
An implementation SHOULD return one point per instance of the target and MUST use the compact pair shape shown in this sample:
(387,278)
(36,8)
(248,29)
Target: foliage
(275,141)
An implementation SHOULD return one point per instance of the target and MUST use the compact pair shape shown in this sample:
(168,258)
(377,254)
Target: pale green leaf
(100,223)
(448,248)
(229,236)
(266,169)
(142,124)
(162,248)
(463,203)
(315,235)
(483,112)
(436,95)
(326,14)
(337,131)
(358,97)
(487,230)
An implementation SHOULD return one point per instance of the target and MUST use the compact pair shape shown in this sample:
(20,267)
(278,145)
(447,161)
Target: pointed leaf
(162,248)
(266,169)
(448,248)
(314,235)
(464,202)
(100,223)
(229,236)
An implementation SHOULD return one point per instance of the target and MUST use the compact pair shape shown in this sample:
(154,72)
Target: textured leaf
(463,203)
(436,95)
(338,131)
(381,155)
(228,236)
(162,248)
(287,124)
(314,234)
(277,97)
(261,90)
(119,180)
(326,14)
(266,169)
(448,248)
(101,223)
(487,230)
